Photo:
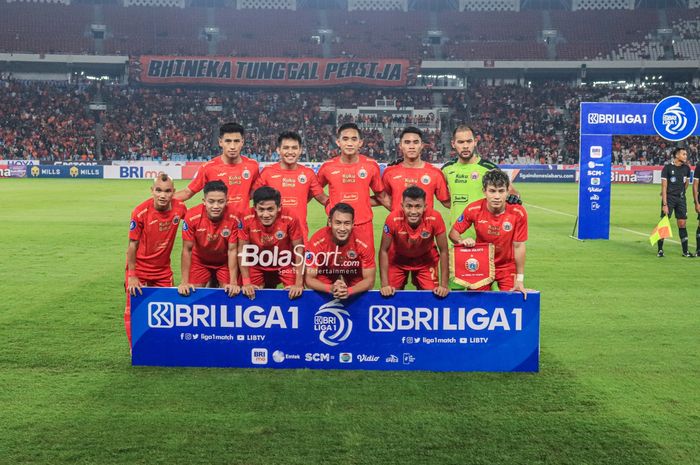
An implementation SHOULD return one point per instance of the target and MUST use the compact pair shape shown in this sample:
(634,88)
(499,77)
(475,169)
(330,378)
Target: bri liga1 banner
(414,330)
(277,72)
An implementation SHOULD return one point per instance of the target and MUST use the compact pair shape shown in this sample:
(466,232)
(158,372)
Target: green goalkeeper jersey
(464,181)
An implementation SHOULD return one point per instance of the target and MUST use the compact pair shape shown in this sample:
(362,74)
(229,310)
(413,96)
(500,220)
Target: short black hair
(677,150)
(215,186)
(414,192)
(462,127)
(288,135)
(411,130)
(345,126)
(342,208)
(265,193)
(231,128)
(496,178)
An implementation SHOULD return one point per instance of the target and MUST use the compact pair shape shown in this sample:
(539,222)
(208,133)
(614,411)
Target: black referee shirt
(675,177)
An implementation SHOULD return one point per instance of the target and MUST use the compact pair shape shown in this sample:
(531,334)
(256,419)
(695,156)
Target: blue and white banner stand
(674,118)
(414,330)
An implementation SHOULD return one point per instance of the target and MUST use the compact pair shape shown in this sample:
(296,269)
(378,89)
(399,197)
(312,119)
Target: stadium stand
(154,30)
(381,34)
(58,28)
(590,35)
(536,124)
(487,35)
(502,35)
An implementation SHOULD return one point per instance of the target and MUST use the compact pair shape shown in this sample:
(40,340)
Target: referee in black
(674,182)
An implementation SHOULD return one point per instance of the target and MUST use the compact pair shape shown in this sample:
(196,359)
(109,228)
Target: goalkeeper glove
(514,199)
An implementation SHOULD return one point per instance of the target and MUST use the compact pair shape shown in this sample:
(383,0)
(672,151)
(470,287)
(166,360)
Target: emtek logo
(675,118)
(161,315)
(387,318)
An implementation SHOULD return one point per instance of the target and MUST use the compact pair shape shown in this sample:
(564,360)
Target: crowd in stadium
(516,124)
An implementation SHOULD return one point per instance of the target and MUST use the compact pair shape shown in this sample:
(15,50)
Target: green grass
(618,382)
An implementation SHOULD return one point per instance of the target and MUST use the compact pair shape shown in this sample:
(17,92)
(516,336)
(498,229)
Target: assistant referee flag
(661,231)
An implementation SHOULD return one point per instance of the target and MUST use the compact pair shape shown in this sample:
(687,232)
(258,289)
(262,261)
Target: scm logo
(316,357)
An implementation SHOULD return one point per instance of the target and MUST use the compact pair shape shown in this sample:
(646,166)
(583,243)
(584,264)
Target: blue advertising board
(414,330)
(674,118)
(64,171)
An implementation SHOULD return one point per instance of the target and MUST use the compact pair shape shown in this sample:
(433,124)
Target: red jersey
(155,232)
(296,187)
(280,233)
(211,239)
(239,179)
(397,178)
(350,183)
(501,231)
(413,246)
(331,261)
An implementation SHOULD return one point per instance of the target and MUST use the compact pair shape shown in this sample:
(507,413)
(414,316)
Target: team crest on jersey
(132,225)
(226,232)
(473,264)
(362,174)
(279,235)
(245,174)
(240,224)
(475,175)
(425,234)
(352,255)
(507,226)
(302,179)
(176,220)
(673,179)
(425,179)
(184,226)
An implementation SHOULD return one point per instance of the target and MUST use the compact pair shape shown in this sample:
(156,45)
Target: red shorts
(365,233)
(423,277)
(162,281)
(202,274)
(269,279)
(505,277)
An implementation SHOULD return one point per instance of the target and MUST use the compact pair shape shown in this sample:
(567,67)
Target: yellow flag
(661,231)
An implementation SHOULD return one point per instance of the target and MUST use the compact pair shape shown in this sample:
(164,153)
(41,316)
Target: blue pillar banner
(594,187)
(414,330)
(674,118)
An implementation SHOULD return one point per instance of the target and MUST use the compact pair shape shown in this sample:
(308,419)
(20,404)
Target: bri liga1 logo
(675,118)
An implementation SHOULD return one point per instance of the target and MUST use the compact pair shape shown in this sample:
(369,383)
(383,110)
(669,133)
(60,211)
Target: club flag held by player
(661,231)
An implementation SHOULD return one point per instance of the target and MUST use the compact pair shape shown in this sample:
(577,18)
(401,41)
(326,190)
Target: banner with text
(63,171)
(236,71)
(414,330)
(674,118)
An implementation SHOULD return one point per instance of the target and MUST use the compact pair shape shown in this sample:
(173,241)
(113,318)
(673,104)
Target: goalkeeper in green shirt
(464,179)
(465,172)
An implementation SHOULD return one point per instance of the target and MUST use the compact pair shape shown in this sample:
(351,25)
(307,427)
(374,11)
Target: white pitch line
(632,231)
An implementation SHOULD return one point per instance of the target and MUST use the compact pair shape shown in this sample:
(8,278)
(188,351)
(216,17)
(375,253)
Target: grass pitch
(618,384)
